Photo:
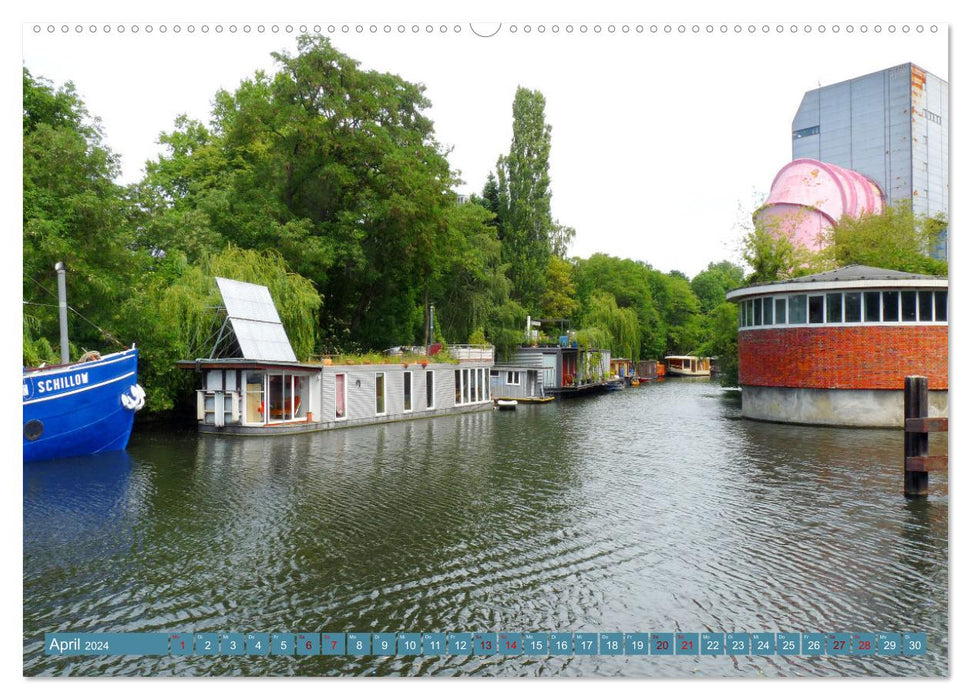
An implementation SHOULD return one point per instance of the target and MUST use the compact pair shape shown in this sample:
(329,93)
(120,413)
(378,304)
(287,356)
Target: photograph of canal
(320,379)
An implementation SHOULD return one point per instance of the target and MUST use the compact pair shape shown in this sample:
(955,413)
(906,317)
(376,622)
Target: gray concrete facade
(860,408)
(891,126)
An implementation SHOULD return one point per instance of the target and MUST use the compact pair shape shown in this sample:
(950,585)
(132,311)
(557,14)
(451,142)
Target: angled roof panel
(255,321)
(262,341)
(249,301)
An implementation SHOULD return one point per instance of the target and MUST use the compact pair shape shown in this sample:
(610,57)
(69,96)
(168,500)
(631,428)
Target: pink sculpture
(808,197)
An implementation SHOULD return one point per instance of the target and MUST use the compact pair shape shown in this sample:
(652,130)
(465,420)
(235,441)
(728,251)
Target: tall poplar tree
(525,223)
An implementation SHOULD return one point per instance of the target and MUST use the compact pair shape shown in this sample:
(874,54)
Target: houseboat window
(908,306)
(301,396)
(871,307)
(493,373)
(407,391)
(741,315)
(429,389)
(254,398)
(458,387)
(891,307)
(834,308)
(767,311)
(925,303)
(277,397)
(483,387)
(852,307)
(471,392)
(478,384)
(940,306)
(465,386)
(757,310)
(797,309)
(512,378)
(340,384)
(816,309)
(379,403)
(780,311)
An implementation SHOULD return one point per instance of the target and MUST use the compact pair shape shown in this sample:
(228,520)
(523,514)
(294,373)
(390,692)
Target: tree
(711,284)
(73,213)
(896,239)
(773,254)
(558,300)
(722,341)
(338,170)
(523,181)
(620,324)
(176,309)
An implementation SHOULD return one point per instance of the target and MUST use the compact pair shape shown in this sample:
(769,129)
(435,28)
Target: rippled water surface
(656,509)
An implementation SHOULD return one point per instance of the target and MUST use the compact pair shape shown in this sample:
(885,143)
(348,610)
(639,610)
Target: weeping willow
(193,304)
(620,327)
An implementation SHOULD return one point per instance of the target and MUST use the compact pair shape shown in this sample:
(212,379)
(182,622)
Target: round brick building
(834,348)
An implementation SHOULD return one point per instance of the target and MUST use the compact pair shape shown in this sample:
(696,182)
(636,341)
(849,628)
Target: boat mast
(62,312)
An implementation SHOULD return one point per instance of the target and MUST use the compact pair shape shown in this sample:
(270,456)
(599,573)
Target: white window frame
(409,395)
(384,393)
(340,374)
(430,395)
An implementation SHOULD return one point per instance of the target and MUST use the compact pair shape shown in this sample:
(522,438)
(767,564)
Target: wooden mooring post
(917,463)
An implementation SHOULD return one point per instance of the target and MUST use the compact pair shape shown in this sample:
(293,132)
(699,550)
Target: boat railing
(472,353)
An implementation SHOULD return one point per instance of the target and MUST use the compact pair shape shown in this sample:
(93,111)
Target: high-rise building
(891,126)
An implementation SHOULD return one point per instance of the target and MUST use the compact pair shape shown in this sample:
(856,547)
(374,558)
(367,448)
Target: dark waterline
(654,509)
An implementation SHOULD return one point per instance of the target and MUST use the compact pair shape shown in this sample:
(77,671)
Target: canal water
(655,509)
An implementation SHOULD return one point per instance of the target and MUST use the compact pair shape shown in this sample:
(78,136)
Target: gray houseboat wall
(516,382)
(390,392)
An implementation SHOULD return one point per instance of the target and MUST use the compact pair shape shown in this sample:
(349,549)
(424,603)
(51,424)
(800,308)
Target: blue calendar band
(486,644)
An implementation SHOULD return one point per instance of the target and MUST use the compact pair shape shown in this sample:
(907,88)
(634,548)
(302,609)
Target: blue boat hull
(80,409)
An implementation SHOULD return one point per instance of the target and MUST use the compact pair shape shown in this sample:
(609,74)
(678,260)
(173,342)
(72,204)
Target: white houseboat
(260,388)
(687,366)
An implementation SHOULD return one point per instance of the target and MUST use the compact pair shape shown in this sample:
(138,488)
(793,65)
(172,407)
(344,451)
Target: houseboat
(508,382)
(623,368)
(687,366)
(567,370)
(257,386)
(647,370)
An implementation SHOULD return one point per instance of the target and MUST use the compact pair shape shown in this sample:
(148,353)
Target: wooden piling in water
(917,464)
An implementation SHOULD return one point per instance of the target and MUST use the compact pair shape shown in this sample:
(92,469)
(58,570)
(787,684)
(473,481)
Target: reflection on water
(654,509)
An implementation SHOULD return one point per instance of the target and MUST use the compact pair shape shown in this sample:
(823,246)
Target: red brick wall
(851,357)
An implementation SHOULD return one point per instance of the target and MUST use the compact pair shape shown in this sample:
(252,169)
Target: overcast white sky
(659,135)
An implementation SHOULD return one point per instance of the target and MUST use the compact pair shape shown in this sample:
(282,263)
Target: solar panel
(249,301)
(255,321)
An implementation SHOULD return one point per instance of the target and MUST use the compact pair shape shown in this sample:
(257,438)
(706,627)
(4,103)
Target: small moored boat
(506,404)
(688,366)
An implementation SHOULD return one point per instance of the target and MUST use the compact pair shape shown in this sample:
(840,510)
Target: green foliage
(334,167)
(621,325)
(558,300)
(73,213)
(711,284)
(523,189)
(722,341)
(177,311)
(478,337)
(629,283)
(680,312)
(773,254)
(897,239)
